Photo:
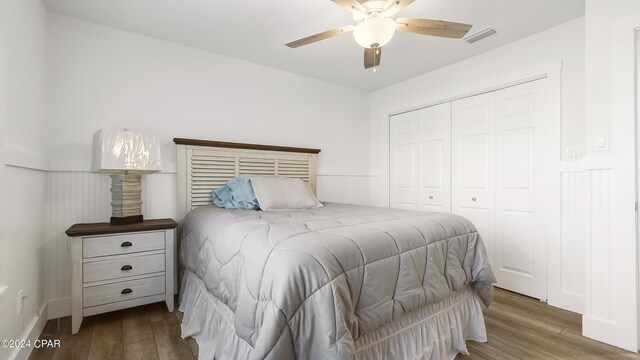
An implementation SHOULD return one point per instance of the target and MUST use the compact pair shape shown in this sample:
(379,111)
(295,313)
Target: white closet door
(420,157)
(403,155)
(434,158)
(472,163)
(521,151)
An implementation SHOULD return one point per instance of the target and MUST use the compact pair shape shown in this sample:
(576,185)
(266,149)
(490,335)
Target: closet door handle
(473,198)
(126,291)
(126,268)
(126,244)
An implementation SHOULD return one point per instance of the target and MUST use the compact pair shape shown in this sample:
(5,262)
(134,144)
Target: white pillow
(283,193)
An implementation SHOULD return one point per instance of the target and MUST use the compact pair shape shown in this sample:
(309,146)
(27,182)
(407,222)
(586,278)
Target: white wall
(26,43)
(22,127)
(612,260)
(103,77)
(4,270)
(565,41)
(600,16)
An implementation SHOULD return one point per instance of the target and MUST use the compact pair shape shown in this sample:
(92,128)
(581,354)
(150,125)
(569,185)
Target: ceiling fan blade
(372,57)
(320,36)
(395,7)
(352,6)
(440,28)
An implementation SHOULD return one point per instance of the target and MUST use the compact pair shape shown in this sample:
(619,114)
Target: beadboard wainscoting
(601,290)
(84,197)
(567,257)
(22,304)
(4,320)
(72,197)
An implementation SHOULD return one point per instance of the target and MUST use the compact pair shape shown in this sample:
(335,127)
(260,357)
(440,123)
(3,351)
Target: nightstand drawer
(110,268)
(122,244)
(121,291)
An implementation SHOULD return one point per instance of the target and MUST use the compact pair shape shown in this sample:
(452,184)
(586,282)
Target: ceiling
(257,30)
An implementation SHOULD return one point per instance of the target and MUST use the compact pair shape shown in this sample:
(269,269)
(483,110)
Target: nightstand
(121,266)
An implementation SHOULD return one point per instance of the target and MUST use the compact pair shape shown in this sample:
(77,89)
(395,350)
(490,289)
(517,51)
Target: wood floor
(518,327)
(145,332)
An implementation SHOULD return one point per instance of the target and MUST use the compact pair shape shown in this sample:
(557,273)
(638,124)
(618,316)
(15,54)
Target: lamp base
(126,199)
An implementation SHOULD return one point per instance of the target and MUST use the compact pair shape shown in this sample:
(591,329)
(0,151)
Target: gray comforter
(309,283)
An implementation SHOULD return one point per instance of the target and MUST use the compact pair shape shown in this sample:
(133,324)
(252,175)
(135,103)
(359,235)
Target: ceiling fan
(375,27)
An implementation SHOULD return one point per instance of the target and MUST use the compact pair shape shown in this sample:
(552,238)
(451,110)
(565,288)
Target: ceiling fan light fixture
(376,27)
(376,31)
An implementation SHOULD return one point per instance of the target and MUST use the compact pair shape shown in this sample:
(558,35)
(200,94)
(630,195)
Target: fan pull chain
(375,54)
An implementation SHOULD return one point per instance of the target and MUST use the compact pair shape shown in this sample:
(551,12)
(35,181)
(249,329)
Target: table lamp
(126,156)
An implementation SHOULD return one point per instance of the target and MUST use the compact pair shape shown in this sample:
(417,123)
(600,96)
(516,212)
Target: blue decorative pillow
(237,194)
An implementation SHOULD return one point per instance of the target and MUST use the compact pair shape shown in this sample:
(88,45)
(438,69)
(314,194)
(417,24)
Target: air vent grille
(482,34)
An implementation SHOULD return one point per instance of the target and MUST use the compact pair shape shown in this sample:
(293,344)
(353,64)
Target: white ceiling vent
(484,33)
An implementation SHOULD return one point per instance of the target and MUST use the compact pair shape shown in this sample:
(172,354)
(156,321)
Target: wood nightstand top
(106,228)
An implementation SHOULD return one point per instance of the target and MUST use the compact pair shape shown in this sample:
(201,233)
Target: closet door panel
(520,182)
(404,155)
(434,142)
(472,163)
(481,219)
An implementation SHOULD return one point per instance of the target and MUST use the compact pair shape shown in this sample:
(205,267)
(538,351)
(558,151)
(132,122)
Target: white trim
(502,82)
(34,329)
(69,165)
(85,166)
(598,162)
(347,172)
(79,166)
(571,166)
(555,295)
(20,158)
(478,92)
(621,327)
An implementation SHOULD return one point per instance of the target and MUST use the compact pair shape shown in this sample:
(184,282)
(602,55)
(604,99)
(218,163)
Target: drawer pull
(430,197)
(474,198)
(126,291)
(126,244)
(126,268)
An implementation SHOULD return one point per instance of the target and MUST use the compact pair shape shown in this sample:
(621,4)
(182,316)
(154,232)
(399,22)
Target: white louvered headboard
(206,165)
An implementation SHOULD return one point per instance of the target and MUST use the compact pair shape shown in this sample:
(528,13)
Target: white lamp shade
(374,32)
(125,152)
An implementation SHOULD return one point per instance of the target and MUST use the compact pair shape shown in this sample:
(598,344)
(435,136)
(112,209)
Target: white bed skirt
(435,332)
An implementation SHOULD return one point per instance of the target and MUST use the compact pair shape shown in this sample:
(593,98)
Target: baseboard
(58,308)
(31,334)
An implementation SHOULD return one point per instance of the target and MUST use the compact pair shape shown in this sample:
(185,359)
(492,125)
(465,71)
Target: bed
(335,282)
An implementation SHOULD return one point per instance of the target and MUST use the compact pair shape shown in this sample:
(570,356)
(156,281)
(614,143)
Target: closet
(421,159)
(485,157)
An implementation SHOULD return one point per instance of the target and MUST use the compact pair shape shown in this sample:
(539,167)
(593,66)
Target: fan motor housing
(374,6)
